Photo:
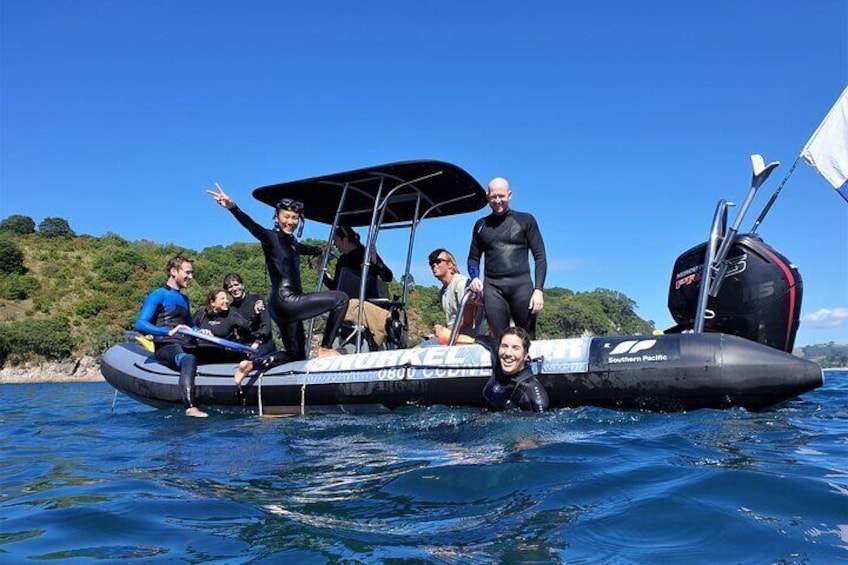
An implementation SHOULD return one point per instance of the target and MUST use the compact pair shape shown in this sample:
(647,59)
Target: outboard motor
(759,299)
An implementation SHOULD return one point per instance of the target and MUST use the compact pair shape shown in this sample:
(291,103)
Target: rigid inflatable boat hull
(669,373)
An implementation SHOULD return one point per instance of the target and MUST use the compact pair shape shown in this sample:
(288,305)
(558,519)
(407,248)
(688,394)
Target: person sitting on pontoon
(443,266)
(252,308)
(219,320)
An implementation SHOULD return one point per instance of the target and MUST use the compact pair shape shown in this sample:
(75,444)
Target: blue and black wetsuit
(289,306)
(505,240)
(164,309)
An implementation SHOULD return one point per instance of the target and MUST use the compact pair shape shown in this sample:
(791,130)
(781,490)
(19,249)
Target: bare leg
(244,369)
(327,352)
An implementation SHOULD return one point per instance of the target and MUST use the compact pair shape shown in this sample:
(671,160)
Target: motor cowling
(759,298)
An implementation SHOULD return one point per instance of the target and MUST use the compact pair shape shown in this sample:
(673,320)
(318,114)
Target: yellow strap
(145,342)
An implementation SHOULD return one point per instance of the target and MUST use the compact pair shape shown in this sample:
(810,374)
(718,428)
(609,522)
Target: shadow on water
(421,485)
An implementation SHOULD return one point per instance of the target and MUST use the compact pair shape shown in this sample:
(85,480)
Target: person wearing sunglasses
(289,305)
(444,268)
(505,237)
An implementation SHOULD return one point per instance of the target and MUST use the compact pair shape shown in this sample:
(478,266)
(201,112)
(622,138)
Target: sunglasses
(437,261)
(290,204)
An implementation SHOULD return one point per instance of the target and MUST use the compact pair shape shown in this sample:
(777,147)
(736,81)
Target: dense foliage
(89,290)
(18,224)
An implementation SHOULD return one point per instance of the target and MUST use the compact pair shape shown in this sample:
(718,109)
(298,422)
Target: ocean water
(81,484)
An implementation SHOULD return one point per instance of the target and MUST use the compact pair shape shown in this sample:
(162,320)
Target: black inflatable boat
(736,302)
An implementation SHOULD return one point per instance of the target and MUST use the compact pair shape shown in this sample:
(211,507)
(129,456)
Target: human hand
(537,301)
(372,255)
(221,197)
(175,330)
(476,285)
(259,307)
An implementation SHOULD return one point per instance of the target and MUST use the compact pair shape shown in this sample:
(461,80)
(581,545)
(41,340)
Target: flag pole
(774,196)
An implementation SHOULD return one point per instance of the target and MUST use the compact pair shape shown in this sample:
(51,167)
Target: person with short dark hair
(163,314)
(513,384)
(252,308)
(289,305)
(504,238)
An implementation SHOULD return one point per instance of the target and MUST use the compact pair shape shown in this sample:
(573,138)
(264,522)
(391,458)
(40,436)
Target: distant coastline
(82,370)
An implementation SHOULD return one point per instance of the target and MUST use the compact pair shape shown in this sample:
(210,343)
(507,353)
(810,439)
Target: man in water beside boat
(163,314)
(252,308)
(504,238)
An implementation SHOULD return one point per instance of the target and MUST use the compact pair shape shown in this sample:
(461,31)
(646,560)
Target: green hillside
(67,295)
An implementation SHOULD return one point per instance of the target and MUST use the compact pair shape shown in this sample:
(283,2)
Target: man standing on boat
(163,314)
(505,237)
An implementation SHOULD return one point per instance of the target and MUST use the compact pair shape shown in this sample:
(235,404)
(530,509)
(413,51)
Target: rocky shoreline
(83,370)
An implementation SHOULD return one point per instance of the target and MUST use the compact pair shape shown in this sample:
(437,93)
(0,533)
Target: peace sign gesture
(221,197)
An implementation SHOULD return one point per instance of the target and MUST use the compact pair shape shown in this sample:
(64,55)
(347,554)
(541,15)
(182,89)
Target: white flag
(827,150)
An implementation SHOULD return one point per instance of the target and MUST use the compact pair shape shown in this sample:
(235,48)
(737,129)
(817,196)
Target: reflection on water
(421,485)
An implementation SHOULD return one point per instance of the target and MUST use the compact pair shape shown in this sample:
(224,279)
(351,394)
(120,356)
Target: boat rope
(261,374)
(303,392)
(771,200)
(114,401)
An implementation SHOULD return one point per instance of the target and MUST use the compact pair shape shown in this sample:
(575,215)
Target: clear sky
(619,124)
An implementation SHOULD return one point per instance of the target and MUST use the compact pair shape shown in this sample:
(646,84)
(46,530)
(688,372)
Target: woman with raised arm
(289,305)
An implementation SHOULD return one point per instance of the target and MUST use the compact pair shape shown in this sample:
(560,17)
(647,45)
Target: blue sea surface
(81,484)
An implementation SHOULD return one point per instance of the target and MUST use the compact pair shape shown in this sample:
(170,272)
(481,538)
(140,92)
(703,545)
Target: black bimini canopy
(444,190)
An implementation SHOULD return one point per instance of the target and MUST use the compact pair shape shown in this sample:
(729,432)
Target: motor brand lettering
(625,352)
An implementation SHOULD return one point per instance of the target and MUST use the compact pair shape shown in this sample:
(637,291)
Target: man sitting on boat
(163,314)
(252,308)
(444,268)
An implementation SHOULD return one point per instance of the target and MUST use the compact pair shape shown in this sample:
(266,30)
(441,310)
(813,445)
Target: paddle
(218,341)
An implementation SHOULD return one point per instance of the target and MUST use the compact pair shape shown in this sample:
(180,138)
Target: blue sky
(619,124)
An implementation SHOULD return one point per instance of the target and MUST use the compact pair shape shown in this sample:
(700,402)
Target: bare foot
(244,369)
(195,413)
(327,352)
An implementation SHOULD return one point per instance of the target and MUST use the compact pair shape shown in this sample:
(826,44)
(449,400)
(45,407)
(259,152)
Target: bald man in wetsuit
(505,237)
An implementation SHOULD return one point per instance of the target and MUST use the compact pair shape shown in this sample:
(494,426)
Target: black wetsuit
(164,309)
(228,325)
(260,324)
(289,306)
(353,260)
(522,390)
(504,240)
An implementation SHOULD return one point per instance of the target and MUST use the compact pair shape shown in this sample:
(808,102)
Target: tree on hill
(18,225)
(55,227)
(11,258)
